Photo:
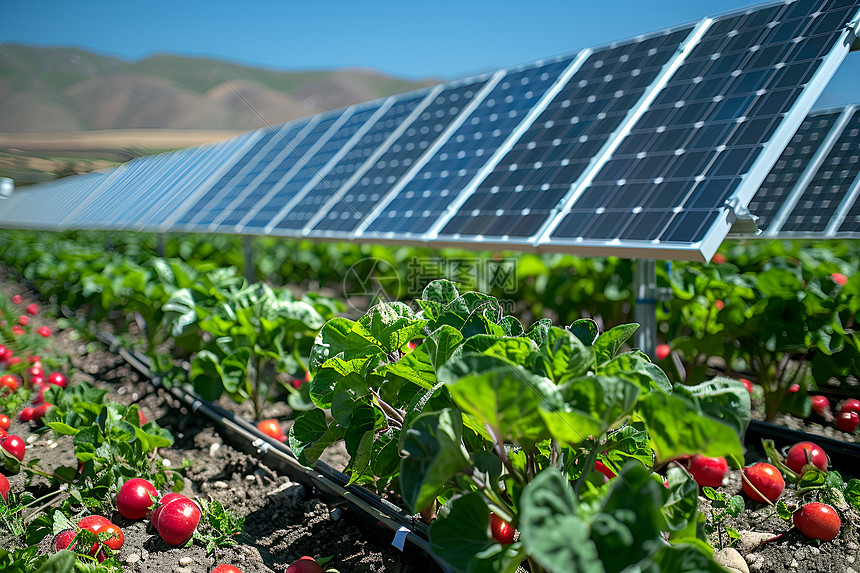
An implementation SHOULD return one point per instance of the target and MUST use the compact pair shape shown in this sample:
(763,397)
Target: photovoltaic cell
(313,169)
(784,176)
(668,180)
(429,193)
(47,204)
(303,211)
(292,157)
(528,183)
(827,189)
(222,192)
(359,200)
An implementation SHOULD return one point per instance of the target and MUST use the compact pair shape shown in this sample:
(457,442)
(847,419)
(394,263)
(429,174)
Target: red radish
(719,305)
(40,410)
(34,360)
(17,330)
(36,381)
(850,405)
(3,351)
(502,531)
(839,278)
(663,351)
(847,421)
(9,382)
(5,422)
(817,521)
(604,469)
(44,331)
(226,569)
(17,299)
(821,405)
(272,429)
(27,414)
(797,458)
(4,488)
(748,385)
(718,259)
(766,479)
(176,520)
(23,320)
(57,379)
(133,500)
(35,371)
(33,309)
(64,539)
(304,564)
(708,472)
(15,446)
(793,388)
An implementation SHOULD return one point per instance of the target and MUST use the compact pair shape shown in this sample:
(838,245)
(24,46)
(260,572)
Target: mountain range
(49,89)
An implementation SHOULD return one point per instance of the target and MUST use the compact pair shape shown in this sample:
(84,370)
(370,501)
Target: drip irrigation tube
(326,480)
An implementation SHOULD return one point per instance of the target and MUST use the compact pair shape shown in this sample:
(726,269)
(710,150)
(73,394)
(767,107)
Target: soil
(285,519)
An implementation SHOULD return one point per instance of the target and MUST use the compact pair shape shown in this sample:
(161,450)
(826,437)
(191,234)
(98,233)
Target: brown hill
(65,89)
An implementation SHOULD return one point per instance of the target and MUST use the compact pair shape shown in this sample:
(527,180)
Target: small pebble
(213,448)
(336,514)
(182,570)
(133,558)
(220,485)
(32,438)
(144,553)
(165,462)
(730,557)
(250,477)
(186,561)
(54,445)
(794,564)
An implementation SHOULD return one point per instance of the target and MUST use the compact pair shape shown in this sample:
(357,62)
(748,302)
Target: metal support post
(248,252)
(645,305)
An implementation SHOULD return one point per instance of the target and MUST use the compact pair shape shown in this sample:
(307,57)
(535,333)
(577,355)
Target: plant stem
(388,409)
(589,464)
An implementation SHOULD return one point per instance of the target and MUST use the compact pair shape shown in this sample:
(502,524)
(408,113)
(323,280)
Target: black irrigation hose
(322,477)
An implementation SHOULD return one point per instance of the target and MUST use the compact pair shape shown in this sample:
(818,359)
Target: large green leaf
(433,452)
(638,368)
(332,372)
(553,529)
(501,394)
(725,399)
(440,291)
(564,356)
(330,341)
(311,434)
(677,427)
(441,344)
(684,558)
(588,406)
(461,537)
(585,329)
(610,341)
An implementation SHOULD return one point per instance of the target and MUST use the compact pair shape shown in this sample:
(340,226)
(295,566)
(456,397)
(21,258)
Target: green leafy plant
(723,506)
(485,415)
(218,526)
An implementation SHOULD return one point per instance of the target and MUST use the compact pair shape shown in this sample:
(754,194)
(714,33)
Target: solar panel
(350,207)
(46,204)
(426,196)
(269,151)
(790,167)
(372,143)
(670,179)
(528,183)
(649,147)
(819,202)
(131,201)
(286,193)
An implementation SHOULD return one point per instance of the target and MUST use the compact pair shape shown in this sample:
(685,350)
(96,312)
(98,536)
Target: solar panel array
(642,146)
(812,190)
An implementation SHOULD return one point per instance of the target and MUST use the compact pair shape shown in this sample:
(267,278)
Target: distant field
(35,157)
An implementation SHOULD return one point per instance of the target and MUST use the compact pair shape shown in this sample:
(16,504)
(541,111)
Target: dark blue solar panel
(303,211)
(826,191)
(687,154)
(266,146)
(292,157)
(359,200)
(790,166)
(528,183)
(426,197)
(312,169)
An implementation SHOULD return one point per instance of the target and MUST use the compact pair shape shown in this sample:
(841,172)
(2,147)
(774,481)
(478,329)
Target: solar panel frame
(44,206)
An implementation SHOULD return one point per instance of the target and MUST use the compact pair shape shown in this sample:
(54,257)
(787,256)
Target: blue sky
(444,39)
